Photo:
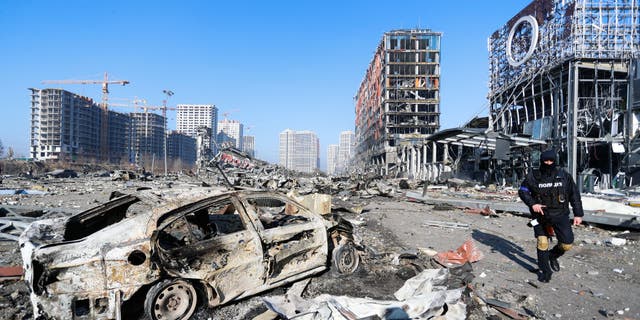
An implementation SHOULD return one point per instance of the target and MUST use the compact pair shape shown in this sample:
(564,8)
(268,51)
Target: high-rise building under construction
(398,102)
(67,126)
(148,137)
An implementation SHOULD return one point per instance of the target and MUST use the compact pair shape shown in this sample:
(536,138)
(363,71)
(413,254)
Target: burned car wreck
(164,252)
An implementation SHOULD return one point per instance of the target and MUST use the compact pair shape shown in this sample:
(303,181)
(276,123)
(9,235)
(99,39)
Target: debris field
(478,263)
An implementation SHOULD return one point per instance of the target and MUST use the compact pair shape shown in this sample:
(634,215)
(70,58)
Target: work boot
(555,253)
(543,265)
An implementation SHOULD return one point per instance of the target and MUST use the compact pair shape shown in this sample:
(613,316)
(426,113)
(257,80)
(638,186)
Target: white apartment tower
(299,150)
(332,158)
(230,132)
(286,148)
(346,149)
(249,145)
(191,118)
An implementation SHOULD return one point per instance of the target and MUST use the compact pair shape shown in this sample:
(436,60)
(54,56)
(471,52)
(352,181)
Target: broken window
(95,219)
(201,223)
(224,218)
(274,212)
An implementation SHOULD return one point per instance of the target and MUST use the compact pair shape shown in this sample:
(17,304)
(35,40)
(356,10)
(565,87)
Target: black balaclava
(547,155)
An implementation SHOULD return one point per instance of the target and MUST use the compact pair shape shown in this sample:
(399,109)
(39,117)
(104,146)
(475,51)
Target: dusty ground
(596,281)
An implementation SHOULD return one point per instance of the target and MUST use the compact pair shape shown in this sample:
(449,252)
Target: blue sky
(273,65)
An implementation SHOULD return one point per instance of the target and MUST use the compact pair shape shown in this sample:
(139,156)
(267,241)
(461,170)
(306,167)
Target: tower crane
(104,125)
(142,103)
(227,113)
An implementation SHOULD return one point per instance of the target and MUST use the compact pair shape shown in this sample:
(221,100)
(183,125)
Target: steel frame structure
(398,103)
(567,72)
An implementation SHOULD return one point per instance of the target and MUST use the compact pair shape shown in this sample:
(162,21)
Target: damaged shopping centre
(562,74)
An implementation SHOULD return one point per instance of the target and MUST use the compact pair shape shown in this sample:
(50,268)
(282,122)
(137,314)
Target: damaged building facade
(566,72)
(398,103)
(563,75)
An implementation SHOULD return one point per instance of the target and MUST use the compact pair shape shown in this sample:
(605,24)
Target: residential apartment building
(181,150)
(249,145)
(299,150)
(67,126)
(120,147)
(332,158)
(346,150)
(230,133)
(398,103)
(147,132)
(191,117)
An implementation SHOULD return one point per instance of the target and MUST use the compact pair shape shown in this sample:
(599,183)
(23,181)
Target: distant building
(248,145)
(181,148)
(67,126)
(230,133)
(286,148)
(204,143)
(346,150)
(120,147)
(398,102)
(148,137)
(299,151)
(191,117)
(332,158)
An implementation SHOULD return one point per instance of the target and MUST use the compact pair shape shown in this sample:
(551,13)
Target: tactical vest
(552,192)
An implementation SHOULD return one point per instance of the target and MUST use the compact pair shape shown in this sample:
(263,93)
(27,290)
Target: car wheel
(345,258)
(171,299)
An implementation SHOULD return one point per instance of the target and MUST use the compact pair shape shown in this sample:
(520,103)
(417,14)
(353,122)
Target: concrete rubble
(424,296)
(390,218)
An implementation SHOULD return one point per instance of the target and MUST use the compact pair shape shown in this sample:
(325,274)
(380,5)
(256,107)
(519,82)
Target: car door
(212,241)
(295,240)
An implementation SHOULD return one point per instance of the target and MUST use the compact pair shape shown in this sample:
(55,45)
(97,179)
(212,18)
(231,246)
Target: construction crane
(227,113)
(164,109)
(142,104)
(104,125)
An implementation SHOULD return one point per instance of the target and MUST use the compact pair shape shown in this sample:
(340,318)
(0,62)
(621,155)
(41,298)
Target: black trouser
(561,227)
(548,226)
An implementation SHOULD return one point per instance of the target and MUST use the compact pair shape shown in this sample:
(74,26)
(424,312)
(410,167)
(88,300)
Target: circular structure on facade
(523,39)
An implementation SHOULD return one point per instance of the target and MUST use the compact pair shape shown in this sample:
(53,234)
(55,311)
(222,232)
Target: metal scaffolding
(566,72)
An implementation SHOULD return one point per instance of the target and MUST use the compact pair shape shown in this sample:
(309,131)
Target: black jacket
(554,189)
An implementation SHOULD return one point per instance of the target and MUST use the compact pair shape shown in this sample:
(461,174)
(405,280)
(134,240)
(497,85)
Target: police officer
(548,192)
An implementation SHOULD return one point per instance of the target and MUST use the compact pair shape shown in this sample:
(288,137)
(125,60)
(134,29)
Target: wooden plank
(11,273)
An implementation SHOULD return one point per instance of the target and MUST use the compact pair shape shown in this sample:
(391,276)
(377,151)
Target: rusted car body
(168,251)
